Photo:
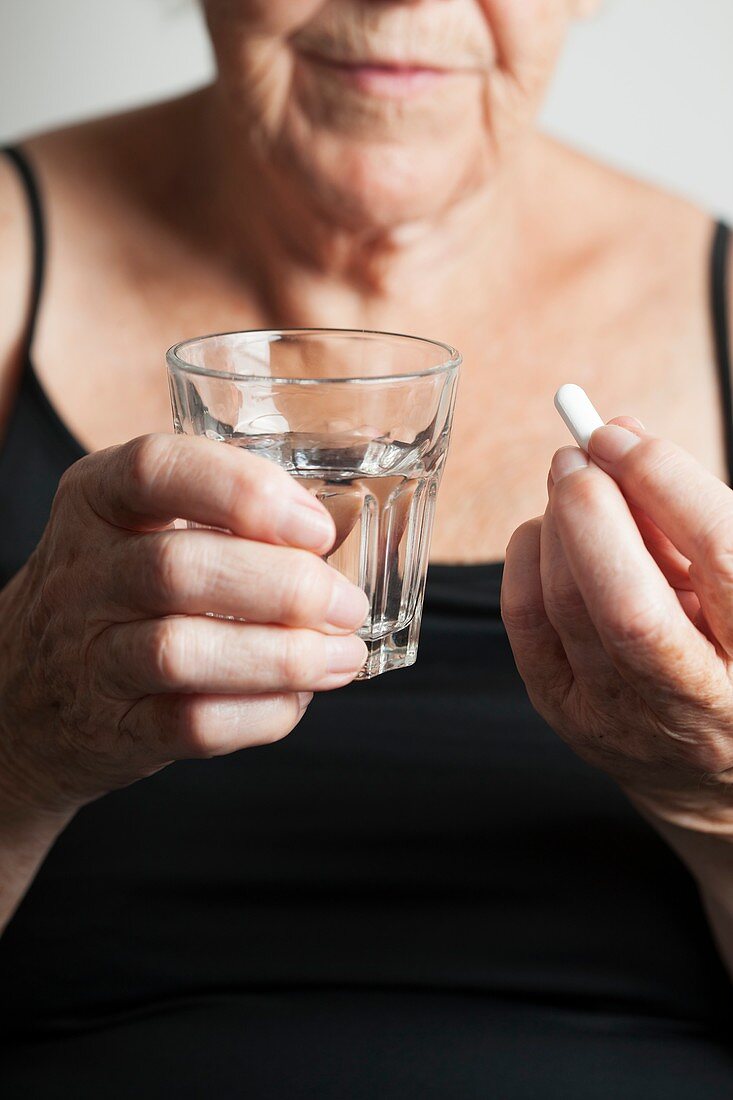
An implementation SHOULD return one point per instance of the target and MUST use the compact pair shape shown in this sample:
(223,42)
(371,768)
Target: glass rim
(177,363)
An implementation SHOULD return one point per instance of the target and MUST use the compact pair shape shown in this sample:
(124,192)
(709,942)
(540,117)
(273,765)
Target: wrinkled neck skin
(312,261)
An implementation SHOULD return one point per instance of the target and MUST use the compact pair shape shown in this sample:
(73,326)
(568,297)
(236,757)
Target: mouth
(388,79)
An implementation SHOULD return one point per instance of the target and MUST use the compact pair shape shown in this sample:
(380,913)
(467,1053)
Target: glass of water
(363,420)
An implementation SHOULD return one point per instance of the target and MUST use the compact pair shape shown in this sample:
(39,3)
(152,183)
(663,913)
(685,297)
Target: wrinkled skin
(369,163)
(618,603)
(111,667)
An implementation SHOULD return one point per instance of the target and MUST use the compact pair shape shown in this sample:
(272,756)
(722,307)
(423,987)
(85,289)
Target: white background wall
(647,84)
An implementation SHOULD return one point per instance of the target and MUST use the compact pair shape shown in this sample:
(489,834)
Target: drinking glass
(363,420)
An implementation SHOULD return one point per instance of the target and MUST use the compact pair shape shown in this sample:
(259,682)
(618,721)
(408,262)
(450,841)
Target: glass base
(398,649)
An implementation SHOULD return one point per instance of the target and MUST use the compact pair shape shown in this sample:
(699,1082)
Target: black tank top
(421,893)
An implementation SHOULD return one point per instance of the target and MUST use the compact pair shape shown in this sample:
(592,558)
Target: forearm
(27,832)
(709,858)
(25,840)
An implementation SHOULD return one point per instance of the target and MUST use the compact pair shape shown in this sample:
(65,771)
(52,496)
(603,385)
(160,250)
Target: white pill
(576,409)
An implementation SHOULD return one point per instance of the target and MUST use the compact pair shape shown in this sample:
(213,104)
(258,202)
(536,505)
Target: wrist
(27,804)
(24,820)
(704,810)
(704,843)
(27,834)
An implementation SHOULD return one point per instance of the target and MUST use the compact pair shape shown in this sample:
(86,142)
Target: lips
(392,79)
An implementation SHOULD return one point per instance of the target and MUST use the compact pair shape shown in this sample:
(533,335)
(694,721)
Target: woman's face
(385,111)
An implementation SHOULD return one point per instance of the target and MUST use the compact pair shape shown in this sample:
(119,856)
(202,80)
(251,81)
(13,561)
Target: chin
(372,162)
(377,187)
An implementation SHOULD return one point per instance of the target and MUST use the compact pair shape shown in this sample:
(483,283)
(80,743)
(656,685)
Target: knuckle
(713,757)
(71,475)
(643,628)
(563,600)
(143,457)
(578,493)
(169,647)
(531,528)
(256,492)
(654,457)
(548,701)
(283,719)
(107,664)
(298,663)
(305,588)
(167,567)
(527,532)
(522,617)
(717,548)
(203,732)
(70,489)
(195,732)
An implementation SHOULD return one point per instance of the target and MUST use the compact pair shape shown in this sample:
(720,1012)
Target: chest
(657,365)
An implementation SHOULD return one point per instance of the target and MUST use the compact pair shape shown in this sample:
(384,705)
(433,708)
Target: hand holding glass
(363,420)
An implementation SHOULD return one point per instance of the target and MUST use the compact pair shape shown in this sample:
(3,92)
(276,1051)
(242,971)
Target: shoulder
(57,162)
(96,179)
(635,264)
(607,221)
(16,251)
(635,257)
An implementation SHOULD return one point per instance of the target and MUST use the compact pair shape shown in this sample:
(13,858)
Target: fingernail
(345,654)
(349,605)
(612,442)
(304,698)
(566,461)
(305,526)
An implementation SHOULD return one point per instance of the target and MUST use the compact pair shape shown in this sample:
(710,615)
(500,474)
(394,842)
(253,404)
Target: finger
(692,506)
(149,482)
(637,615)
(538,652)
(174,727)
(210,656)
(200,571)
(674,566)
(592,668)
(689,604)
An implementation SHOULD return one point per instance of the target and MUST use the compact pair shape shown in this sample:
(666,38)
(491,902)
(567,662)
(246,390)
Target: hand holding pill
(618,603)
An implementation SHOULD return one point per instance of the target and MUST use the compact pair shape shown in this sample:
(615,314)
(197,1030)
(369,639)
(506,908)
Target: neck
(307,268)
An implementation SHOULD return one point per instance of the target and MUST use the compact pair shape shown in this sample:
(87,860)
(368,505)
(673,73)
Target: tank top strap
(38,237)
(719,301)
(32,416)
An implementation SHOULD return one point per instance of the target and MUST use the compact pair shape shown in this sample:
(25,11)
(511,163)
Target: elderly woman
(458,881)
